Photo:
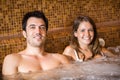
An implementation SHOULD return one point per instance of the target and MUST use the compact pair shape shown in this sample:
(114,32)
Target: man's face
(35,32)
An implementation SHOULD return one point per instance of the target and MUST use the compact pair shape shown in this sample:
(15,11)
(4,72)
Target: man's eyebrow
(42,25)
(32,25)
(36,25)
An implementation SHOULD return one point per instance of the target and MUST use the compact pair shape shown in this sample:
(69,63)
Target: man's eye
(32,27)
(42,27)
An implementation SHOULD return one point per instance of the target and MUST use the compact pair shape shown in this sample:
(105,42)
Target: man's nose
(38,30)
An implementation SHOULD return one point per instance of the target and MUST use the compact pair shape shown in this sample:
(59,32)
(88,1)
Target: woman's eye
(82,30)
(91,30)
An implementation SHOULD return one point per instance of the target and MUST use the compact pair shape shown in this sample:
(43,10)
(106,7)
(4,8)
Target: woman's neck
(84,47)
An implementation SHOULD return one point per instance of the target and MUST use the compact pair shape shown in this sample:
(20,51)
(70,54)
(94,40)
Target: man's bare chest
(27,65)
(34,64)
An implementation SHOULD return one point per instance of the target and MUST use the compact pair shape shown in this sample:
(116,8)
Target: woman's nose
(87,33)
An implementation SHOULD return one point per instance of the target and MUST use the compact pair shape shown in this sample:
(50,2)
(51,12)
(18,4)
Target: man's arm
(62,58)
(10,64)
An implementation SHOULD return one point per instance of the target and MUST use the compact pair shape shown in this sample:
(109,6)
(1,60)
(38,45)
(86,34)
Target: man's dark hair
(37,14)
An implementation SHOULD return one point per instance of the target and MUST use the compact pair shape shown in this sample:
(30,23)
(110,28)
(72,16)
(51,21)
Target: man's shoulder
(13,56)
(62,58)
(59,56)
(56,55)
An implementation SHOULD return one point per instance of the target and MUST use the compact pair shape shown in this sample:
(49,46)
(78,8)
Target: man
(33,58)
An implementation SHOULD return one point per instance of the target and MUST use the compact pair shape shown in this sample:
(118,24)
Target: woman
(84,43)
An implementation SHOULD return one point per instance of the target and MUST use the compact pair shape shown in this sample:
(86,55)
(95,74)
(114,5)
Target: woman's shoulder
(69,48)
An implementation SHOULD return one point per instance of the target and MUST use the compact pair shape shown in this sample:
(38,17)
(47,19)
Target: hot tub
(100,69)
(105,68)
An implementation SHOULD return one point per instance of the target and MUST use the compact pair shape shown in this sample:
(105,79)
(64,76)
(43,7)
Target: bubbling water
(99,69)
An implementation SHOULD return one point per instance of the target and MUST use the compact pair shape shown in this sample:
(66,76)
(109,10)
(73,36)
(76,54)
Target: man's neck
(34,50)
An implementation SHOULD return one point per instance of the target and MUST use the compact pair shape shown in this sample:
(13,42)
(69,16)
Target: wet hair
(94,45)
(37,14)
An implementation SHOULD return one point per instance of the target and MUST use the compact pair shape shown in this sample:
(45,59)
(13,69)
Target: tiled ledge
(61,29)
(110,23)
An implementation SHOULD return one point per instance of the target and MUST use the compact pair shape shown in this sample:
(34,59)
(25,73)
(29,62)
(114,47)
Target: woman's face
(84,33)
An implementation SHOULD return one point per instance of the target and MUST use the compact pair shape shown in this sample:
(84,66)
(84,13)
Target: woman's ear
(75,34)
(24,33)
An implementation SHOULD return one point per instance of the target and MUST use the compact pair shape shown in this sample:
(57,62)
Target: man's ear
(24,34)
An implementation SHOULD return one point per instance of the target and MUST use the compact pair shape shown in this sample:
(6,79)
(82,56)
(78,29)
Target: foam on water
(100,69)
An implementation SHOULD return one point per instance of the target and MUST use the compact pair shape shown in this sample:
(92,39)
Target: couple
(84,45)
